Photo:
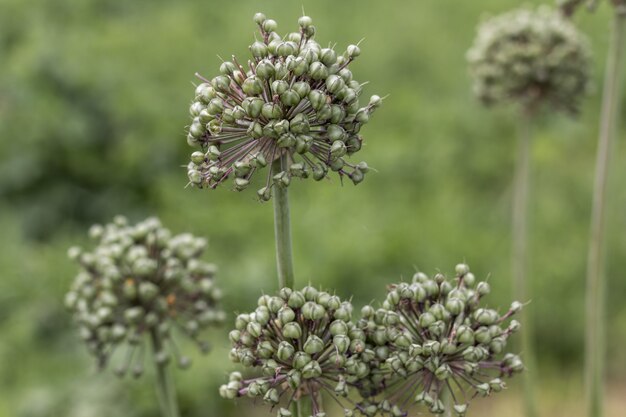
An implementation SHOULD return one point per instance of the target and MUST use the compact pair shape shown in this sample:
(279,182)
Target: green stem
(305,407)
(447,403)
(165,388)
(519,262)
(595,317)
(282,230)
(284,255)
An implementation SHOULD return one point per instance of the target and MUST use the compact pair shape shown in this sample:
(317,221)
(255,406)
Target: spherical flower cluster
(302,343)
(530,57)
(139,283)
(432,335)
(294,103)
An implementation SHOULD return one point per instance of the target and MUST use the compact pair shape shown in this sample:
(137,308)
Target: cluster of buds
(294,103)
(569,7)
(302,343)
(431,336)
(139,283)
(530,57)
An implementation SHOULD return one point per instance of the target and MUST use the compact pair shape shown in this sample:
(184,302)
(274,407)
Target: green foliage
(93,101)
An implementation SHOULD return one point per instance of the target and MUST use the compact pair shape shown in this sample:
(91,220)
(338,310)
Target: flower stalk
(519,262)
(282,231)
(596,285)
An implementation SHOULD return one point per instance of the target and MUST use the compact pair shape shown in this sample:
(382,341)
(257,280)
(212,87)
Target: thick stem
(284,255)
(595,317)
(282,230)
(519,261)
(165,388)
(305,408)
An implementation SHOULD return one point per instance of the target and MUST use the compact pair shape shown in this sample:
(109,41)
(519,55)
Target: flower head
(530,57)
(294,102)
(141,282)
(433,335)
(299,343)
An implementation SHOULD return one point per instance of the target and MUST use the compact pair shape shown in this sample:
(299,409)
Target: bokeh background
(93,104)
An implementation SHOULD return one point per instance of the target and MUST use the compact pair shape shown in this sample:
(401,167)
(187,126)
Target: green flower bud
(312,370)
(285,351)
(455,306)
(265,70)
(272,111)
(313,345)
(318,71)
(338,327)
(221,83)
(258,50)
(290,98)
(252,106)
(305,22)
(301,359)
(252,86)
(259,18)
(272,396)
(342,343)
(483,288)
(292,330)
(302,88)
(482,335)
(353,51)
(296,300)
(328,56)
(269,25)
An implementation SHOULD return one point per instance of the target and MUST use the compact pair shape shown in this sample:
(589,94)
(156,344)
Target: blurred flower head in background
(294,102)
(140,282)
(530,57)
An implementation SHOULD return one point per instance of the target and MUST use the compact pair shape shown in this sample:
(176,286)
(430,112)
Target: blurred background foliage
(93,105)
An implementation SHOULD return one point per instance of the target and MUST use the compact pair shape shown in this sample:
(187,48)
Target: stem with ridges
(165,388)
(595,317)
(282,230)
(284,255)
(519,261)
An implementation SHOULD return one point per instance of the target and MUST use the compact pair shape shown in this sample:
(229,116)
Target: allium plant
(535,59)
(596,280)
(140,285)
(433,337)
(298,344)
(293,104)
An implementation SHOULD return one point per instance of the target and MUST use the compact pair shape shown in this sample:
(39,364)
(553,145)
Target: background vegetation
(93,104)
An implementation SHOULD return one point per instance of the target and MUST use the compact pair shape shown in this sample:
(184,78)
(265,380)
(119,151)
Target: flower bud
(290,98)
(269,25)
(259,18)
(313,345)
(252,86)
(259,50)
(483,288)
(292,330)
(353,51)
(318,71)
